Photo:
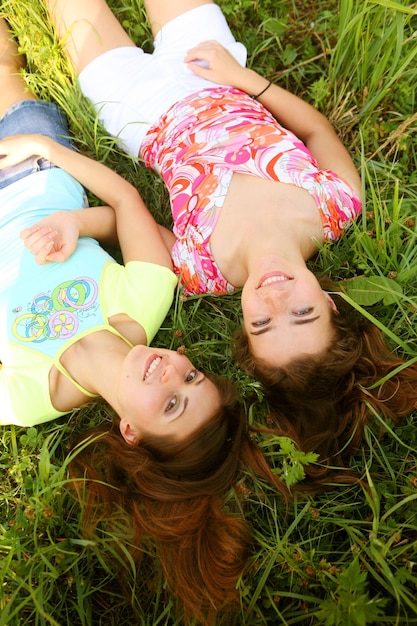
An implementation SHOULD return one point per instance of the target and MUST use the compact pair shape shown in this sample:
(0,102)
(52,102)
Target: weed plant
(347,557)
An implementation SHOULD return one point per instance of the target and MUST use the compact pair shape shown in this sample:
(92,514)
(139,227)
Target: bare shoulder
(129,329)
(65,396)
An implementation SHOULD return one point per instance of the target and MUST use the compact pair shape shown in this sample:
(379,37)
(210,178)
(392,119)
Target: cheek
(258,347)
(133,396)
(250,305)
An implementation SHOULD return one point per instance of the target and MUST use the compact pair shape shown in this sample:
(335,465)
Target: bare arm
(168,236)
(138,233)
(98,222)
(55,237)
(292,112)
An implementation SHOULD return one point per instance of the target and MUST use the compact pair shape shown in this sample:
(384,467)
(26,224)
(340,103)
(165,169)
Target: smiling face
(286,313)
(161,393)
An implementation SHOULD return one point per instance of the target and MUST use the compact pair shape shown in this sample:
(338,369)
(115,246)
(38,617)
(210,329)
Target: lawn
(346,557)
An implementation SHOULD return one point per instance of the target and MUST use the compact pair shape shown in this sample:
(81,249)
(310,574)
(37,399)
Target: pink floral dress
(197,146)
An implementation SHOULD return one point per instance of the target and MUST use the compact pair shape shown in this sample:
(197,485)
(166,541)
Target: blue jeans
(32,116)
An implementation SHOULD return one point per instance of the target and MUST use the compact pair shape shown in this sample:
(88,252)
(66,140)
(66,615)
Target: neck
(94,362)
(290,249)
(285,222)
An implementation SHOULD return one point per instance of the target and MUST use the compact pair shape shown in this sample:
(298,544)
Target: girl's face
(286,313)
(161,393)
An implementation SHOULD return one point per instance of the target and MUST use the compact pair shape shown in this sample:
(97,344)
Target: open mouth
(151,366)
(274,278)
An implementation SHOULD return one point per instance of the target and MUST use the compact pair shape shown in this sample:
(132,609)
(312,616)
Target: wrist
(42,146)
(253,83)
(255,96)
(80,218)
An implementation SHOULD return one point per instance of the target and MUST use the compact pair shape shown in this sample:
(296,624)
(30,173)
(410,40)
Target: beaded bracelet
(263,91)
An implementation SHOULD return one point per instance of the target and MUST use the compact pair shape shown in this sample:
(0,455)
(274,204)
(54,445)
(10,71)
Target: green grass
(347,557)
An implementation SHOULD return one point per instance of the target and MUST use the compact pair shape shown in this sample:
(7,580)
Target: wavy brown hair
(324,402)
(173,494)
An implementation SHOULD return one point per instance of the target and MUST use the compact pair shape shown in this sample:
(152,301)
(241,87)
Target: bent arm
(311,126)
(98,222)
(55,237)
(138,233)
(168,236)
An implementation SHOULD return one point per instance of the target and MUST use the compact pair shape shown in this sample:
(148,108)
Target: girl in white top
(262,222)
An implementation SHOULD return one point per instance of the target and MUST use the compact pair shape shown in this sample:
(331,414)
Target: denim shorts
(32,116)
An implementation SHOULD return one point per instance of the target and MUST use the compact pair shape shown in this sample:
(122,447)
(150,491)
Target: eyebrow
(185,404)
(261,331)
(297,322)
(307,321)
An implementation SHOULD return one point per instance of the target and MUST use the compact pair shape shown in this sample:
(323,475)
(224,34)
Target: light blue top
(46,308)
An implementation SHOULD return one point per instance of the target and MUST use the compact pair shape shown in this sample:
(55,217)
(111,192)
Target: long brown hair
(172,492)
(323,402)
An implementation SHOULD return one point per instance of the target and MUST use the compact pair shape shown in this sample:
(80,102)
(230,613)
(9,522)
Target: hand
(17,148)
(211,60)
(54,238)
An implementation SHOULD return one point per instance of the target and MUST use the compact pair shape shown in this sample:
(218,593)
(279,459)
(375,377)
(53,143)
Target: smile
(155,361)
(271,279)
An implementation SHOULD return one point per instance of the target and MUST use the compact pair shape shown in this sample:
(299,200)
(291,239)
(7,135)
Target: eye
(172,404)
(261,322)
(191,376)
(301,312)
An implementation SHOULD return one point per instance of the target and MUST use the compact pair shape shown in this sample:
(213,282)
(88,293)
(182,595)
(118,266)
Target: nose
(169,372)
(275,298)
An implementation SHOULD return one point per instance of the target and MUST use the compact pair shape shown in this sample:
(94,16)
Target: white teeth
(153,366)
(273,279)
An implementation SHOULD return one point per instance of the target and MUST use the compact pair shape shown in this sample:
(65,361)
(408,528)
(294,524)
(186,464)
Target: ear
(331,303)
(129,434)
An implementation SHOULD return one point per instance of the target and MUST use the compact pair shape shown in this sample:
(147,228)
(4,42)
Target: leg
(13,87)
(162,11)
(87,28)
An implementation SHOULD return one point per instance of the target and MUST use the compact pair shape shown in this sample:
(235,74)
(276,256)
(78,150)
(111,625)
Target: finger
(26,232)
(43,254)
(199,69)
(57,256)
(5,161)
(62,254)
(202,52)
(198,56)
(36,243)
(32,236)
